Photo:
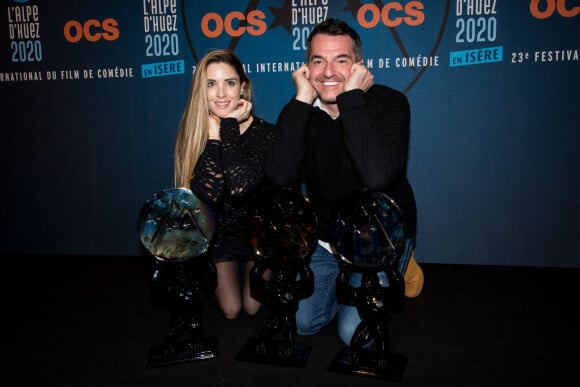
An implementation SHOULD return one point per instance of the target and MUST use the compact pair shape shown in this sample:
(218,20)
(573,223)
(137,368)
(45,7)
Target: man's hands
(360,78)
(304,90)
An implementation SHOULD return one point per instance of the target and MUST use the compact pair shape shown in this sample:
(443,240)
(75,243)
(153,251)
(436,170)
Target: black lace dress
(227,174)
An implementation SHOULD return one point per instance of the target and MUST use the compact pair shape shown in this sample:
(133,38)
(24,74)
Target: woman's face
(223,89)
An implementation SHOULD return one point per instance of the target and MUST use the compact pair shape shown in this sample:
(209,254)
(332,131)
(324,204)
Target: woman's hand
(214,127)
(242,111)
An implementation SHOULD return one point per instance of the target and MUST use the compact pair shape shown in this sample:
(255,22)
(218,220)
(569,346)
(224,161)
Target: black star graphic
(352,6)
(282,16)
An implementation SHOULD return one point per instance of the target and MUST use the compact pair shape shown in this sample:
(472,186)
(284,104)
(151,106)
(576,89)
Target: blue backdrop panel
(92,93)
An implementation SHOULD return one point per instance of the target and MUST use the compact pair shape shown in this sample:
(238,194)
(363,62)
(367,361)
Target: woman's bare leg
(251,305)
(228,290)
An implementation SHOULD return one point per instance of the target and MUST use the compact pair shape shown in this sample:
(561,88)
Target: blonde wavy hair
(192,133)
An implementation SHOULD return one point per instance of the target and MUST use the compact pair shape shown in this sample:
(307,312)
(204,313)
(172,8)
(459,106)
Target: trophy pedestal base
(275,353)
(370,364)
(182,352)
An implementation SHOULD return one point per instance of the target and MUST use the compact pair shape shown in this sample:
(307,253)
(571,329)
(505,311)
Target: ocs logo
(543,9)
(392,14)
(213,25)
(236,23)
(92,30)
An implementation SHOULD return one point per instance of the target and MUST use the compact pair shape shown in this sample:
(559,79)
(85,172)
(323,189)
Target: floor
(90,321)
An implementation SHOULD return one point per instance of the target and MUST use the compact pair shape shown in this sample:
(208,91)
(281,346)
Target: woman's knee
(229,308)
(231,313)
(252,307)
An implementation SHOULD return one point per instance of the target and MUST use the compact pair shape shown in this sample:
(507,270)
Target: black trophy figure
(283,234)
(368,238)
(176,228)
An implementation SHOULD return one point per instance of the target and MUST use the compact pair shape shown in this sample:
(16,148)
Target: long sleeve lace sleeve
(243,158)
(208,182)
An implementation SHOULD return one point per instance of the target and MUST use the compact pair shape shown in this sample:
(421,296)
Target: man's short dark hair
(335,27)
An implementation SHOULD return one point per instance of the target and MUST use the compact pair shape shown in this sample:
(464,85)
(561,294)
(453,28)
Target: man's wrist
(304,98)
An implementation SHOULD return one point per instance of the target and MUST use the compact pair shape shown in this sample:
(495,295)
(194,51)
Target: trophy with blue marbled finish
(369,240)
(176,228)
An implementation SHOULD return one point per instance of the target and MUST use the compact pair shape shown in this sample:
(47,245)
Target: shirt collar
(318,104)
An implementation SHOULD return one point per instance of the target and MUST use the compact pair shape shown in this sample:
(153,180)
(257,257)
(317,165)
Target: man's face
(330,64)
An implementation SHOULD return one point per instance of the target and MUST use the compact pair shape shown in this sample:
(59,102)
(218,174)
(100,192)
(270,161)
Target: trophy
(368,238)
(283,234)
(177,228)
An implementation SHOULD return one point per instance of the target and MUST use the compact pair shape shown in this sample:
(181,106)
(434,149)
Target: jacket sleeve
(376,133)
(285,157)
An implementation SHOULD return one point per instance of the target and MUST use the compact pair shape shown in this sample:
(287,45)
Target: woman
(219,153)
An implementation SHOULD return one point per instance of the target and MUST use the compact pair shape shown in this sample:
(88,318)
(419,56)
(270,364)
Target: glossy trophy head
(175,225)
(367,230)
(283,225)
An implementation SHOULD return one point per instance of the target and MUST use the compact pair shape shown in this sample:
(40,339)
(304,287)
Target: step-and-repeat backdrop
(92,92)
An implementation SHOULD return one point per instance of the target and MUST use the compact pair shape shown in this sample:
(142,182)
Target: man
(342,133)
